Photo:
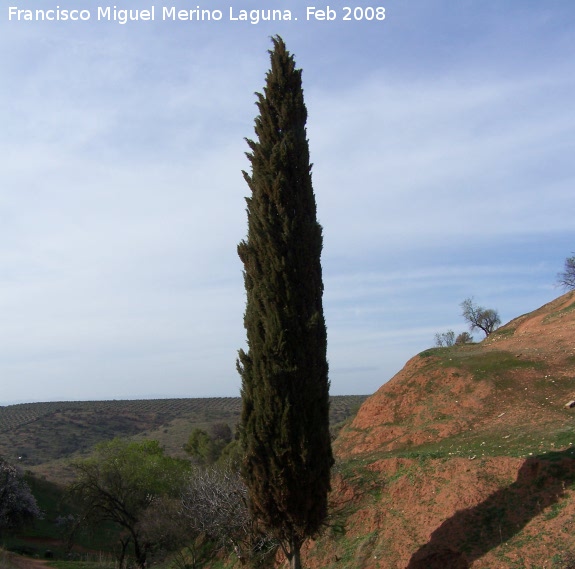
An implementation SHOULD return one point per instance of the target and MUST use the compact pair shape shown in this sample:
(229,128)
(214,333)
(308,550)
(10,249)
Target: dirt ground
(25,562)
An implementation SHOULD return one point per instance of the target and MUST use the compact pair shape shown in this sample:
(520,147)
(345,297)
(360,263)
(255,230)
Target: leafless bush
(445,339)
(215,503)
(566,278)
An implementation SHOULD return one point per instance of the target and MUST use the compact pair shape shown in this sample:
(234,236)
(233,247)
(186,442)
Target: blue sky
(442,140)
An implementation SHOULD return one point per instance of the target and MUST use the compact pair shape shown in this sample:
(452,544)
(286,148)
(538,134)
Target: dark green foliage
(206,448)
(121,482)
(464,338)
(221,432)
(285,400)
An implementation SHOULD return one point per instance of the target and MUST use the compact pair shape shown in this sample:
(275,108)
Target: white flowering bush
(17,504)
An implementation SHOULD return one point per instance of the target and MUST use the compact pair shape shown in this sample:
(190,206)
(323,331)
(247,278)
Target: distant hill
(43,436)
(466,458)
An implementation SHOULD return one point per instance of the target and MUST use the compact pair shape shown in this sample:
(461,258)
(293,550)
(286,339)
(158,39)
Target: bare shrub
(445,339)
(215,503)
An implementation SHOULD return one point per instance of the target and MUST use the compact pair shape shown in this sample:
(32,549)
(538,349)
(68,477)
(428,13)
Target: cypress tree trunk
(285,388)
(295,560)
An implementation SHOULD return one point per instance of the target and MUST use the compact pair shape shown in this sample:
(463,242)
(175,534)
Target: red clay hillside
(466,458)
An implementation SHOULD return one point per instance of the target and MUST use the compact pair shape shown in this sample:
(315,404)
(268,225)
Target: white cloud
(440,159)
(443,169)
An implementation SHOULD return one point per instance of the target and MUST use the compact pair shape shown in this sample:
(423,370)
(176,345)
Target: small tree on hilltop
(566,278)
(485,319)
(445,339)
(448,339)
(285,389)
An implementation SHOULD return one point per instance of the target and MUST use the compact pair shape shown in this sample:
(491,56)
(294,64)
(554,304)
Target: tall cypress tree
(285,387)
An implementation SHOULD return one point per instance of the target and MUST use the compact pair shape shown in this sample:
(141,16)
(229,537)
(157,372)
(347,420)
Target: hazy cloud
(442,143)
